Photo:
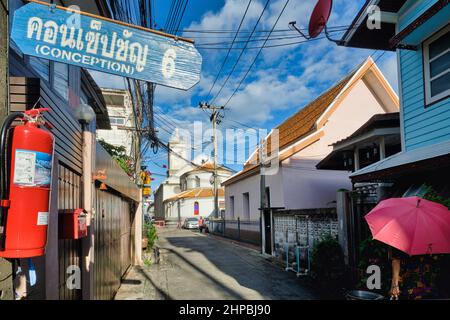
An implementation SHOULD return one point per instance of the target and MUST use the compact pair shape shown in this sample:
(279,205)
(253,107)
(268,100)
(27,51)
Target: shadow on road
(248,269)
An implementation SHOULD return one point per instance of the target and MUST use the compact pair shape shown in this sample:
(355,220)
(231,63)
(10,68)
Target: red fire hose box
(73,224)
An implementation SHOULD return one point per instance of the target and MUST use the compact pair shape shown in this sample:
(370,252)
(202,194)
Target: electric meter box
(73,224)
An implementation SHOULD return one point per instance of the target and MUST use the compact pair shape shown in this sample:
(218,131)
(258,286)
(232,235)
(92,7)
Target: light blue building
(419,31)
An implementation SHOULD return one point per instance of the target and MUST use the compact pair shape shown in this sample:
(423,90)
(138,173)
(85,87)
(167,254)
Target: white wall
(250,185)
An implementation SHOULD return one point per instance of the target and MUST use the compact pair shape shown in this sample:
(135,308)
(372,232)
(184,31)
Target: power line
(229,50)
(256,31)
(181,18)
(261,38)
(240,55)
(256,57)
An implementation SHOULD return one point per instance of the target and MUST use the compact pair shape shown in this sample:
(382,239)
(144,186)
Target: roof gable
(303,122)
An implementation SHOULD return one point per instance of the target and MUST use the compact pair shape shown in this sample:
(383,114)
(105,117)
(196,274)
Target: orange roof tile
(196,193)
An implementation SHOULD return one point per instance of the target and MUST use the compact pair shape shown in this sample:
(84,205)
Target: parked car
(191,223)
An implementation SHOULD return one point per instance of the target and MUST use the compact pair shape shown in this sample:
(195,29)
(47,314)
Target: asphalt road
(199,267)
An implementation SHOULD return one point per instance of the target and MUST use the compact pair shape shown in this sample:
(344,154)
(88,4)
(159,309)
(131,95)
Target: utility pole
(215,119)
(262,190)
(6,278)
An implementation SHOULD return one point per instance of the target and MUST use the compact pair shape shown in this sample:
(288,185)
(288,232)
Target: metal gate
(69,251)
(359,203)
(113,246)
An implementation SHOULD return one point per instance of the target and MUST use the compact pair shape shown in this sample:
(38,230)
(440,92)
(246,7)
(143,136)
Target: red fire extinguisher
(26,153)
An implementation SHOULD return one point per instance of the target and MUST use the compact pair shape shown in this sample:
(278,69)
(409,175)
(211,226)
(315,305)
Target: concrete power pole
(262,188)
(214,119)
(6,281)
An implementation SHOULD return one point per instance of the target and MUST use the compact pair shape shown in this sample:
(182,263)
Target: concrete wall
(250,185)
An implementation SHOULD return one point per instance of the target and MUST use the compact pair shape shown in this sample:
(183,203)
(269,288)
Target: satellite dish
(319,17)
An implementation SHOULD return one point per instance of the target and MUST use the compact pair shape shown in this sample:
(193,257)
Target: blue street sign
(93,42)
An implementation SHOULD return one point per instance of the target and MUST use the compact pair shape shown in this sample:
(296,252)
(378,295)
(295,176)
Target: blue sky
(281,82)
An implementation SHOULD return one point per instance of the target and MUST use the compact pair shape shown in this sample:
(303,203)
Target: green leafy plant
(373,252)
(328,265)
(432,195)
(152,235)
(118,153)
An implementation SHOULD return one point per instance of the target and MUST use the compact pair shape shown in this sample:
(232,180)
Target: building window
(246,205)
(437,66)
(61,79)
(231,207)
(197,182)
(41,66)
(196,208)
(117,121)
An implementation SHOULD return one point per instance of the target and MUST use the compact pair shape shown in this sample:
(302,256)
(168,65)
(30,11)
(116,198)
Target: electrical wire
(262,38)
(241,54)
(181,17)
(257,55)
(256,31)
(229,50)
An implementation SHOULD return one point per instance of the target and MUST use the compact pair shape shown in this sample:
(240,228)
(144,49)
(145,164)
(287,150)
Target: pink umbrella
(413,225)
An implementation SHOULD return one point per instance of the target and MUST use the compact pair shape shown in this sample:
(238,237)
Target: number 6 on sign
(168,63)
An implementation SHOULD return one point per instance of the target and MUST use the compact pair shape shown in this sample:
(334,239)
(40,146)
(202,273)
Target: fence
(240,230)
(302,228)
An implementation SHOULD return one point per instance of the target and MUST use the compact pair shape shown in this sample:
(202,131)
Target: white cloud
(106,80)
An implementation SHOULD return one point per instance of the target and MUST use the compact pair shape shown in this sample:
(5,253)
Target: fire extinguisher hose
(4,170)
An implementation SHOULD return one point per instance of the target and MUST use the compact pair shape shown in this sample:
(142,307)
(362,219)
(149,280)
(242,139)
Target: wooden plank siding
(423,125)
(113,245)
(69,198)
(26,88)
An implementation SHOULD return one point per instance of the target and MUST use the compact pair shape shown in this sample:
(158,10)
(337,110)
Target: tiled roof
(209,166)
(302,123)
(196,193)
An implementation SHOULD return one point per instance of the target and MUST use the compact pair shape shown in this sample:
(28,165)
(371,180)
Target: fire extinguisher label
(42,219)
(32,168)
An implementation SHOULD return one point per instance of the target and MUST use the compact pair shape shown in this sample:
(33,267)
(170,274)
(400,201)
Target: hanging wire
(256,57)
(240,55)
(229,50)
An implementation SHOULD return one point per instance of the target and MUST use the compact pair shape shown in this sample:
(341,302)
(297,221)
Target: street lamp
(85,114)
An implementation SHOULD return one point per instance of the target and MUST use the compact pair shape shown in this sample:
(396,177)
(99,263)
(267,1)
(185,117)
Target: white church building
(188,190)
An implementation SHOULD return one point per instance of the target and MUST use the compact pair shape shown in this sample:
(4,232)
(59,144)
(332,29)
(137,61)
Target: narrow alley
(194,266)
